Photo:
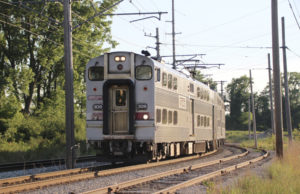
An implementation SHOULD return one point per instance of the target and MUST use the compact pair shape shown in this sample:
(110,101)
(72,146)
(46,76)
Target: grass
(283,176)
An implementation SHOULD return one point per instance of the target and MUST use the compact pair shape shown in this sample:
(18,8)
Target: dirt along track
(91,180)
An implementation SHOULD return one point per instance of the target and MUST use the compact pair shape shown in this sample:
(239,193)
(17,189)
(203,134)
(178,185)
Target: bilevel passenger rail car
(137,106)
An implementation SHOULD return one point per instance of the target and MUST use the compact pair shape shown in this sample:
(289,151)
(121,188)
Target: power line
(216,46)
(296,8)
(293,52)
(294,14)
(225,23)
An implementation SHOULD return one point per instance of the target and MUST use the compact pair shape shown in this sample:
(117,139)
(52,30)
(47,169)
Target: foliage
(238,91)
(208,81)
(32,99)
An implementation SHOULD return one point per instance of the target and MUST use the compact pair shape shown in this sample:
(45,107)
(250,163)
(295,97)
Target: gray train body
(137,106)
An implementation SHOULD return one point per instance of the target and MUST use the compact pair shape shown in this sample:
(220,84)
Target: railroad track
(173,180)
(40,163)
(31,182)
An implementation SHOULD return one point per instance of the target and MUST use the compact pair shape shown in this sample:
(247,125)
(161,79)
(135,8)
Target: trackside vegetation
(282,176)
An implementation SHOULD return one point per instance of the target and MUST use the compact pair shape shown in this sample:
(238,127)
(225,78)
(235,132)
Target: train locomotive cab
(119,107)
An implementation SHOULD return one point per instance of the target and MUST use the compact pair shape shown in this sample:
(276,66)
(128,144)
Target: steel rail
(208,176)
(116,187)
(32,182)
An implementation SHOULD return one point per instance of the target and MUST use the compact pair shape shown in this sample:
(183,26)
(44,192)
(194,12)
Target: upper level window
(96,73)
(191,88)
(164,79)
(198,92)
(158,75)
(175,83)
(170,81)
(143,72)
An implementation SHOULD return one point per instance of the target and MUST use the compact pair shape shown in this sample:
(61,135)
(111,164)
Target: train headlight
(145,116)
(120,58)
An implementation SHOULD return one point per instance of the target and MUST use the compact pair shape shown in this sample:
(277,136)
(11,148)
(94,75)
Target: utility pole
(157,44)
(271,94)
(157,48)
(173,34)
(249,118)
(253,111)
(276,77)
(222,90)
(286,86)
(69,96)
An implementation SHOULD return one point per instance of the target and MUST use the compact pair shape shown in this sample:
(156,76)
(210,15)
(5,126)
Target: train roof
(170,69)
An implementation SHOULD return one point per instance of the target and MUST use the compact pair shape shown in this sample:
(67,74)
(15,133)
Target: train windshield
(143,72)
(121,97)
(96,73)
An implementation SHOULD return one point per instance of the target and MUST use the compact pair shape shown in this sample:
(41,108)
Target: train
(139,107)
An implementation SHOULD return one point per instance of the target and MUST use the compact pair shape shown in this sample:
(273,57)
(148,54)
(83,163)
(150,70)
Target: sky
(222,30)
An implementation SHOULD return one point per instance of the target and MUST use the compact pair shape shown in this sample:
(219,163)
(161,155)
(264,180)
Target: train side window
(175,83)
(158,115)
(169,81)
(164,116)
(198,120)
(201,123)
(164,79)
(198,92)
(175,118)
(191,88)
(143,72)
(201,93)
(96,73)
(170,117)
(158,75)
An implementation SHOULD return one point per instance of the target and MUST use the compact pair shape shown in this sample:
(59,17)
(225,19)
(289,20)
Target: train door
(119,109)
(214,130)
(193,116)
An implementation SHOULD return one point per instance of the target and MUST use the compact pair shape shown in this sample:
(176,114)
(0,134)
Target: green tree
(238,91)
(208,81)
(294,94)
